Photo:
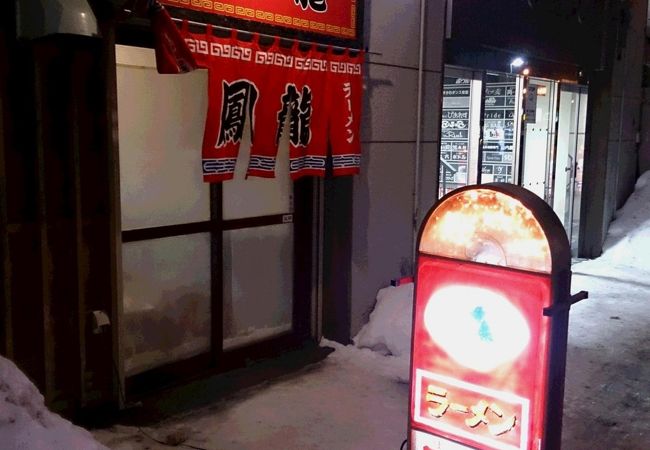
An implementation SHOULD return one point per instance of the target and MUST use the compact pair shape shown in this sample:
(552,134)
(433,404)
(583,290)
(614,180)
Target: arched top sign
(499,224)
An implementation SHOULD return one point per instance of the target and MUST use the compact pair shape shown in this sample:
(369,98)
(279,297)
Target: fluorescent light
(517,62)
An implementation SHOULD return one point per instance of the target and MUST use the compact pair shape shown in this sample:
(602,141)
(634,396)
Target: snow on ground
(350,401)
(607,397)
(357,398)
(25,422)
(389,329)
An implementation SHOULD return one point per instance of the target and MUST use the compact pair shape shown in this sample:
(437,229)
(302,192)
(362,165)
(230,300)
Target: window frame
(217,360)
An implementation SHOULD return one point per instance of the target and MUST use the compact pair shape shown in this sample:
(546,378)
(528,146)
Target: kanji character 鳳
(239,97)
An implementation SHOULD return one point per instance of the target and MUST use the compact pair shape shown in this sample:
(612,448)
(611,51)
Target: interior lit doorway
(502,127)
(460,129)
(567,185)
(499,158)
(539,133)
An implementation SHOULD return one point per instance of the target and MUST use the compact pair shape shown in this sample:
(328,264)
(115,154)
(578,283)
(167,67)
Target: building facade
(87,243)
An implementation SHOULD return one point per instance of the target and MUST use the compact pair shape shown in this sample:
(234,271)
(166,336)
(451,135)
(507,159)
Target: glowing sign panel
(481,340)
(493,330)
(497,419)
(480,351)
(487,226)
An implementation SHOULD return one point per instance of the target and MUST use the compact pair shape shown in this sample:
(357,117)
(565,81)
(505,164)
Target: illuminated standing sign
(490,323)
(336,18)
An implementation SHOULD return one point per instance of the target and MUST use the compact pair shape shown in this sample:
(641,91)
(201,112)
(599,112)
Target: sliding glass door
(460,129)
(572,114)
(499,127)
(209,271)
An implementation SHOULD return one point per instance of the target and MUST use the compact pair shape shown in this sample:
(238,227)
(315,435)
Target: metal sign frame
(560,300)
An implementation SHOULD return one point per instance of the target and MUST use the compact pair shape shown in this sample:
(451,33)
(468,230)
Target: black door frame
(216,360)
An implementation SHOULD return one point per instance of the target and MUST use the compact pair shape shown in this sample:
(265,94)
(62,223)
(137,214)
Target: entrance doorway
(538,150)
(213,275)
(572,117)
(460,129)
(501,127)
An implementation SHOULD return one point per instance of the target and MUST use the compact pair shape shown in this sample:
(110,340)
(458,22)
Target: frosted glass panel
(258,290)
(161,121)
(565,153)
(252,197)
(455,137)
(539,141)
(499,128)
(166,300)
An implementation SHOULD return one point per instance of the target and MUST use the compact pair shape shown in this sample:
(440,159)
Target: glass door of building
(480,128)
(501,128)
(460,129)
(211,274)
(538,150)
(572,112)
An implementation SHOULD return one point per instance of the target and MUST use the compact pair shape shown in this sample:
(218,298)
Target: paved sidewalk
(354,400)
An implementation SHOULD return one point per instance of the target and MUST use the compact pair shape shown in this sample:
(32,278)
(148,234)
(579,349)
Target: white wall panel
(383,192)
(383,205)
(431,106)
(435,33)
(390,109)
(392,29)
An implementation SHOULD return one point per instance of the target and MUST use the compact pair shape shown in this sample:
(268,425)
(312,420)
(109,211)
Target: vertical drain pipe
(418,134)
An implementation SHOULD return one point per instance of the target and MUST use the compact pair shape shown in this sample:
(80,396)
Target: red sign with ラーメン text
(331,17)
(479,371)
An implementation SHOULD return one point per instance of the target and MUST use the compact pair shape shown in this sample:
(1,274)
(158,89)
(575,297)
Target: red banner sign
(331,17)
(258,89)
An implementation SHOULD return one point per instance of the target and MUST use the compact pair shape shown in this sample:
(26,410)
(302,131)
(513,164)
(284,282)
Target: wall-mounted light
(526,71)
(38,18)
(517,63)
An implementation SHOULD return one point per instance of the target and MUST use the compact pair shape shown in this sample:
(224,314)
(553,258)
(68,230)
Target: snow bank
(388,332)
(628,238)
(389,329)
(25,422)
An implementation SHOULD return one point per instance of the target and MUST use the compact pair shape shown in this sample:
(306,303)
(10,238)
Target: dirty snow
(357,398)
(607,397)
(25,422)
(389,329)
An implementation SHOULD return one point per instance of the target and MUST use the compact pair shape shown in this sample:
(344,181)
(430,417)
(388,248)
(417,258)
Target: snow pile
(389,329)
(25,422)
(628,238)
